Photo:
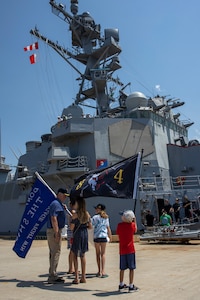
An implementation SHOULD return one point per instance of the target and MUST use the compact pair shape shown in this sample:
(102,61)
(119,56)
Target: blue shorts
(100,240)
(127,261)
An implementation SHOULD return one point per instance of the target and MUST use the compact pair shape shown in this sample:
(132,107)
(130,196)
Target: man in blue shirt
(55,223)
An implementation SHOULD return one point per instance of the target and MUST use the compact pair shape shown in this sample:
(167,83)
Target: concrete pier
(164,271)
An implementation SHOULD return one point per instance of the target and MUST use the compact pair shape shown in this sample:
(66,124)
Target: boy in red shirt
(125,230)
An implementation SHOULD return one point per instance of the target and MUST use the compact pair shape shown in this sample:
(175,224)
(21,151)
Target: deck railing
(75,162)
(166,183)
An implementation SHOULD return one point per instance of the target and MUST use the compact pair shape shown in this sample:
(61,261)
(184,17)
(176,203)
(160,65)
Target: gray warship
(123,125)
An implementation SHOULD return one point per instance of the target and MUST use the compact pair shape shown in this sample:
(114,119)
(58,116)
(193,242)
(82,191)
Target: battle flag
(119,180)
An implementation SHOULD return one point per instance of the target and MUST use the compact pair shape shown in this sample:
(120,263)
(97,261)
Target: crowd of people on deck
(79,223)
(176,213)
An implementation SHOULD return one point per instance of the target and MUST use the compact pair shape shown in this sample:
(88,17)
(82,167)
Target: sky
(160,44)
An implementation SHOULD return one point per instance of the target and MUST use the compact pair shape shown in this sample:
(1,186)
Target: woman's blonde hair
(103,214)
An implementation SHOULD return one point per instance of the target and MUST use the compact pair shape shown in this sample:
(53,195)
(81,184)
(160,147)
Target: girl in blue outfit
(80,223)
(102,234)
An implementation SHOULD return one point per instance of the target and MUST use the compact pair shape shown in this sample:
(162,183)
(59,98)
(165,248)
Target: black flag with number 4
(119,180)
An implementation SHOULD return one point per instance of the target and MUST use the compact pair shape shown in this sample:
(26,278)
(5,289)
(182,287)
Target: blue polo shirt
(57,210)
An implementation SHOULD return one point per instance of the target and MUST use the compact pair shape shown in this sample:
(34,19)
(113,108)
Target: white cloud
(157,87)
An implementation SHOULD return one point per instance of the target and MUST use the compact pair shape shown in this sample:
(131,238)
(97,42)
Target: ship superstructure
(123,125)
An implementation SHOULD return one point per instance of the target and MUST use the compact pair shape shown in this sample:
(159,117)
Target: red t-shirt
(125,231)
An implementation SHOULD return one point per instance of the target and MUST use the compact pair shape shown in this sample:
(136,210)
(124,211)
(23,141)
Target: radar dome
(73,111)
(135,100)
(193,143)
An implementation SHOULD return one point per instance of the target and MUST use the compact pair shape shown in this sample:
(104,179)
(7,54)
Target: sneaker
(133,289)
(57,280)
(122,287)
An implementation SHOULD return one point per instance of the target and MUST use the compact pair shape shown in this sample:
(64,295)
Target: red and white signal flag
(34,46)
(32,59)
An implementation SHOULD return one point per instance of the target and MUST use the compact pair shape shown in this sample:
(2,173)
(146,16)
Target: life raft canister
(180,180)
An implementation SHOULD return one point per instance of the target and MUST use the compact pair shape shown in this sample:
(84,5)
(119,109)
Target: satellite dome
(86,14)
(136,99)
(73,110)
(193,143)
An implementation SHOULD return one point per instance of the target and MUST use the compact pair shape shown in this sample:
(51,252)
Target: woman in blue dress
(80,224)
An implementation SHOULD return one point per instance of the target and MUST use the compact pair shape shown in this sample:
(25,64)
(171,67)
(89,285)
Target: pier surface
(164,271)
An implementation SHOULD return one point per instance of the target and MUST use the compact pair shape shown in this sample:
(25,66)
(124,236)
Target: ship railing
(41,168)
(151,184)
(75,162)
(186,182)
(165,183)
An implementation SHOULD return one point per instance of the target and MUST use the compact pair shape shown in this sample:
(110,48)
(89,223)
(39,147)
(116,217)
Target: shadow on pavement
(62,287)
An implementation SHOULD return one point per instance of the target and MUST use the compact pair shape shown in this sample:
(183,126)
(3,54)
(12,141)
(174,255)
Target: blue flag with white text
(34,217)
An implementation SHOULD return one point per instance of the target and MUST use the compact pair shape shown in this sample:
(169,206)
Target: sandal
(98,274)
(82,281)
(75,281)
(104,276)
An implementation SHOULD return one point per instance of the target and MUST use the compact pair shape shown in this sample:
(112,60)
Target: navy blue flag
(35,215)
(119,180)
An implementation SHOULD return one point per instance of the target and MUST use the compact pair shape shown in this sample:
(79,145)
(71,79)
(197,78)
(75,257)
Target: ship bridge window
(140,114)
(169,124)
(173,126)
(157,118)
(133,114)
(144,114)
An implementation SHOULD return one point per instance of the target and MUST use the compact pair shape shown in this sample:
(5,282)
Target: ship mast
(98,54)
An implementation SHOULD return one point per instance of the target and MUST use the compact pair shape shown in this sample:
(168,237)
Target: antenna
(14,153)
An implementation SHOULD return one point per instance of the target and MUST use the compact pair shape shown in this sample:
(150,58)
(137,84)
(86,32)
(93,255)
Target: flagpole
(136,181)
(44,182)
